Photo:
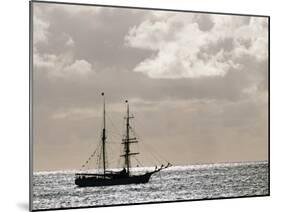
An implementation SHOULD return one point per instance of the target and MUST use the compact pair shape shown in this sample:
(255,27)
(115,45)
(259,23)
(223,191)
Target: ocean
(57,189)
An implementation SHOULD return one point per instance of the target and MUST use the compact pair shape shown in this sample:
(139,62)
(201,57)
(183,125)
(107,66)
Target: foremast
(127,141)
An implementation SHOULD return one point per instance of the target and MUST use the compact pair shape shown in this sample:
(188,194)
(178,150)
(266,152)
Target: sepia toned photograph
(138,105)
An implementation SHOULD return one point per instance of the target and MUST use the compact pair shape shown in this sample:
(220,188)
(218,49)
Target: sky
(197,85)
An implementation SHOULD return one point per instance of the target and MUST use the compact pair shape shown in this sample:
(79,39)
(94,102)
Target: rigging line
(157,160)
(154,155)
(138,161)
(89,159)
(111,122)
(109,150)
(116,157)
(116,137)
(158,155)
(124,128)
(111,162)
(113,142)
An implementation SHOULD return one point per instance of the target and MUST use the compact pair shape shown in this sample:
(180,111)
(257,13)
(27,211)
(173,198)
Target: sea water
(57,189)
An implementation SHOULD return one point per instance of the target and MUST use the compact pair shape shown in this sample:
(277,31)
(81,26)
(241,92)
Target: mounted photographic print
(137,105)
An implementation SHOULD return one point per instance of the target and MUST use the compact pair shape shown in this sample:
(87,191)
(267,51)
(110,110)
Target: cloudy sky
(197,84)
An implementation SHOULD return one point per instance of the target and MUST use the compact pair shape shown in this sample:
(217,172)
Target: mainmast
(127,141)
(103,138)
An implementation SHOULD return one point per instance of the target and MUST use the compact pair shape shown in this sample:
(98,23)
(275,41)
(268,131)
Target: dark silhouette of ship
(124,176)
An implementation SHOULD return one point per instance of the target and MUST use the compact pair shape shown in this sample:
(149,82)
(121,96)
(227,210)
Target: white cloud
(57,65)
(183,50)
(69,41)
(62,66)
(80,67)
(255,34)
(44,61)
(40,28)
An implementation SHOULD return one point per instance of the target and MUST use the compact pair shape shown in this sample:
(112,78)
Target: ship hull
(94,181)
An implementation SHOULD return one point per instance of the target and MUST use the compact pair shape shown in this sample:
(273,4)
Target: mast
(103,138)
(127,144)
(127,141)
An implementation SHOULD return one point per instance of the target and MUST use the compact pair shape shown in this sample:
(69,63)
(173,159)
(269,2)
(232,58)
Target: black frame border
(126,7)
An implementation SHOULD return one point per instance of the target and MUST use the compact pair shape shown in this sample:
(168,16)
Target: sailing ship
(123,176)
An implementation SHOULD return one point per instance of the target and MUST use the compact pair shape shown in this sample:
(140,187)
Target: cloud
(62,66)
(40,28)
(192,46)
(69,41)
(78,67)
(79,10)
(44,60)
